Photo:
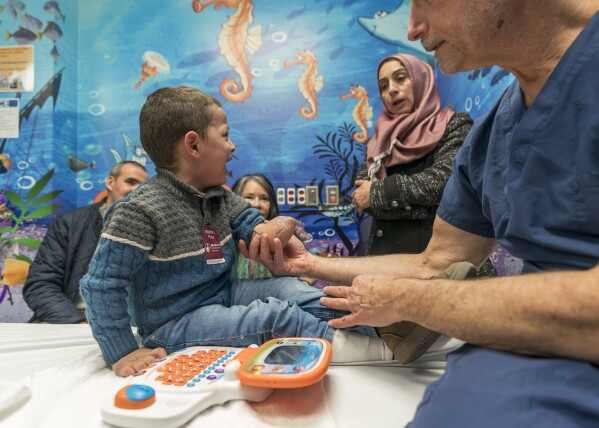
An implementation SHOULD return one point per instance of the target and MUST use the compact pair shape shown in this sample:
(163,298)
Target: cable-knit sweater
(151,253)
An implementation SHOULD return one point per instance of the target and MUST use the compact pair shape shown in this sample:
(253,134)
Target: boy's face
(216,149)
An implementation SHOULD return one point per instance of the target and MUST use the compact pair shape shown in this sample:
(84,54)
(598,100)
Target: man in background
(52,286)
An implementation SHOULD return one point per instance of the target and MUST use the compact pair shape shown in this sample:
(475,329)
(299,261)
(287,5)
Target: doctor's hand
(371,300)
(137,360)
(361,197)
(293,260)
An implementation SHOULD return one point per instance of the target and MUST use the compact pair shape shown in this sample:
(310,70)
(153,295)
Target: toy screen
(286,355)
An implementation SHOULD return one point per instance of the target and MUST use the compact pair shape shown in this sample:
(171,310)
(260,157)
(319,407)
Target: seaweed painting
(14,212)
(345,157)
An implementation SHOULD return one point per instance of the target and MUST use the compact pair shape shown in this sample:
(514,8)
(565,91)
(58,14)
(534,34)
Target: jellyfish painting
(154,63)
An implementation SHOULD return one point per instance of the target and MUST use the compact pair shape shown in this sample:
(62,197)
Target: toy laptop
(174,389)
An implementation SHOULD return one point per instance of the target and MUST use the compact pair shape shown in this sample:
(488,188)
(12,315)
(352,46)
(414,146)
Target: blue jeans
(251,312)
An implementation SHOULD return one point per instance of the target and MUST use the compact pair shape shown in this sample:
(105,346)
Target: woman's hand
(361,197)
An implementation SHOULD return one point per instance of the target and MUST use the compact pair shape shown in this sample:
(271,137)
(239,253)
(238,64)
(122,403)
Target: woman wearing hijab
(408,163)
(409,158)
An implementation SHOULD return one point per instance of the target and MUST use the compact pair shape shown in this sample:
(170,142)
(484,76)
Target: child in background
(168,249)
(260,193)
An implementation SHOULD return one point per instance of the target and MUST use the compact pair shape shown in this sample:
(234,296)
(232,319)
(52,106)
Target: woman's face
(395,87)
(256,194)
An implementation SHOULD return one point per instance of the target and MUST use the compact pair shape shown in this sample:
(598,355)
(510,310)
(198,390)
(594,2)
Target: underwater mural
(297,80)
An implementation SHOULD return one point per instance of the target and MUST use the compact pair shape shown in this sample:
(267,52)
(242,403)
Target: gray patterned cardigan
(417,196)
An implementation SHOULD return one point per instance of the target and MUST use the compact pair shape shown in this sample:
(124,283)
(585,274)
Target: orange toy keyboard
(171,391)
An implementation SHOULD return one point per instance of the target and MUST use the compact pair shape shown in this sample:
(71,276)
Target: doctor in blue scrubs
(527,177)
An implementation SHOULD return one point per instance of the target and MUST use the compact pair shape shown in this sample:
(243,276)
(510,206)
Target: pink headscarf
(403,138)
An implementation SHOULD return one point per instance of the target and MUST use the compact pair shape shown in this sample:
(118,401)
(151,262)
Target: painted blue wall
(105,44)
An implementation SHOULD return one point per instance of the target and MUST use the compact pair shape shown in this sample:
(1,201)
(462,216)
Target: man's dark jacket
(52,286)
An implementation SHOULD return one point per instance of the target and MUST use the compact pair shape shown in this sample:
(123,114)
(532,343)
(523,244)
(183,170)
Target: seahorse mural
(234,39)
(309,83)
(362,111)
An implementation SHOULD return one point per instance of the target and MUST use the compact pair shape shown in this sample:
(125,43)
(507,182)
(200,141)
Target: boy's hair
(167,115)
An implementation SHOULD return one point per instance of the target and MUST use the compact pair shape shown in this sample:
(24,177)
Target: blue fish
(329,8)
(322,30)
(315,46)
(12,10)
(486,71)
(216,79)
(474,74)
(31,23)
(22,36)
(55,54)
(199,58)
(297,13)
(498,76)
(53,9)
(392,28)
(52,31)
(338,51)
(76,165)
(346,220)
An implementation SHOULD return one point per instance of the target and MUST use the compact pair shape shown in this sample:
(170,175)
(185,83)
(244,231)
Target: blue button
(139,392)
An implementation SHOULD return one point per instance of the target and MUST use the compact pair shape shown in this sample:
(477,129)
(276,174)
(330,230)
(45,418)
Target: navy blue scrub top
(530,178)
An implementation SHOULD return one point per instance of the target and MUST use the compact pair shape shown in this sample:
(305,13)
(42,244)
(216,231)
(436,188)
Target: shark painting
(132,152)
(392,28)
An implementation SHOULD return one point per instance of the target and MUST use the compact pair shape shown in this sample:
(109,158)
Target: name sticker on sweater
(214,253)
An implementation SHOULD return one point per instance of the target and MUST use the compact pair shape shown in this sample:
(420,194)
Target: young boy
(153,254)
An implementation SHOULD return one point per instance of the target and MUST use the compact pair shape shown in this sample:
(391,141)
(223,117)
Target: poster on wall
(9,118)
(16,68)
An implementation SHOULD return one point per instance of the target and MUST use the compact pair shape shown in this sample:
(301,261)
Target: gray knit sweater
(151,253)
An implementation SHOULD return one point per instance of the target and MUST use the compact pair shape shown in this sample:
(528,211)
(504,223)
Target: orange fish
(309,83)
(362,111)
(14,272)
(4,212)
(234,40)
(5,163)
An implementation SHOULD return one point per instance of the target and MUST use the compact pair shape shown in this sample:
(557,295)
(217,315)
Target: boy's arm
(281,227)
(105,290)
